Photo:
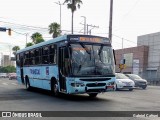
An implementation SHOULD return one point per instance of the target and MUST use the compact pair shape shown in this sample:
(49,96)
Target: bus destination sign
(90,39)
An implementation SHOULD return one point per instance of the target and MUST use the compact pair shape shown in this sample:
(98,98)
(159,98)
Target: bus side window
(52,54)
(37,56)
(32,57)
(26,58)
(45,55)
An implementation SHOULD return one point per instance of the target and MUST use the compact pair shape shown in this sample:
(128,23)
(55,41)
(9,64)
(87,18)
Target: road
(14,97)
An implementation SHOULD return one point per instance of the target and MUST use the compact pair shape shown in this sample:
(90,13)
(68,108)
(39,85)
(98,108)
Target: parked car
(139,82)
(12,76)
(123,82)
(3,75)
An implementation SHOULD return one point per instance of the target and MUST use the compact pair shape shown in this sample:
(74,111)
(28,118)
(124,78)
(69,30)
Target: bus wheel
(28,87)
(54,89)
(93,95)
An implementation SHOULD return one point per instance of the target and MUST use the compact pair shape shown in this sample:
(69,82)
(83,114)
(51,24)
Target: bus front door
(62,79)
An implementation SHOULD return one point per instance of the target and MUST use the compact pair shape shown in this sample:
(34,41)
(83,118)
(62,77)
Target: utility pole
(89,31)
(110,20)
(122,43)
(84,24)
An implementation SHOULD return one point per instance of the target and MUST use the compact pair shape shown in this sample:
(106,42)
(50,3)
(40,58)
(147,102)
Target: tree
(73,4)
(29,44)
(54,29)
(37,38)
(15,49)
(8,69)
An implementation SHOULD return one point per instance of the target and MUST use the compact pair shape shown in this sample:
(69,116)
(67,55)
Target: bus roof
(60,38)
(57,39)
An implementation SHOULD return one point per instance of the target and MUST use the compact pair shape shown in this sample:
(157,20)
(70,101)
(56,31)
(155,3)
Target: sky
(131,18)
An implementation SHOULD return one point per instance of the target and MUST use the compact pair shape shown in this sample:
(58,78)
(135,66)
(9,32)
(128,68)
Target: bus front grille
(95,84)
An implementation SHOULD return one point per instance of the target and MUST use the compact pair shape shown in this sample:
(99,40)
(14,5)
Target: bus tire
(28,87)
(93,95)
(54,88)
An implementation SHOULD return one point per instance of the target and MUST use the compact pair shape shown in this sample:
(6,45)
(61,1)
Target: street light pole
(110,20)
(84,24)
(26,37)
(58,3)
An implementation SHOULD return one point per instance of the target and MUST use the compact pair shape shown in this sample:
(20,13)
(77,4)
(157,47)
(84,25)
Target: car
(12,76)
(3,75)
(123,82)
(139,82)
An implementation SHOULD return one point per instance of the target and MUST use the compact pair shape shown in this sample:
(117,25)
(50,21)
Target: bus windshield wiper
(87,51)
(99,52)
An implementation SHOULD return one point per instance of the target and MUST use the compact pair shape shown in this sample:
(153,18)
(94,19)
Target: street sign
(3,29)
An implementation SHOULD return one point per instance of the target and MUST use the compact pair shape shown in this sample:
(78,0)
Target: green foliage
(29,44)
(36,37)
(16,48)
(73,4)
(8,69)
(39,40)
(54,29)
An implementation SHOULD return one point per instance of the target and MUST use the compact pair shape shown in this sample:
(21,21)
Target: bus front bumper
(85,89)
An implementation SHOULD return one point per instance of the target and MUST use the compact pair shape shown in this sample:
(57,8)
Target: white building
(153,41)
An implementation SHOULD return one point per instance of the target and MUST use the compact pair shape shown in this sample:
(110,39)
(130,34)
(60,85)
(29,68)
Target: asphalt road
(14,97)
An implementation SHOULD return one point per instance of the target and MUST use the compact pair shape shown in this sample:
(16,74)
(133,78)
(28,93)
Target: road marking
(4,83)
(13,83)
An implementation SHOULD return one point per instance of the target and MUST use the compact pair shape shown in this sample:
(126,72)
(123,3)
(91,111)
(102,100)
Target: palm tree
(36,37)
(73,4)
(15,49)
(54,29)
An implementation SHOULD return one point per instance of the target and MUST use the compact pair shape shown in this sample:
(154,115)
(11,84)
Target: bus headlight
(77,84)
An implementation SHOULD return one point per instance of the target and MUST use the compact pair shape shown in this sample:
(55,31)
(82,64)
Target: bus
(70,64)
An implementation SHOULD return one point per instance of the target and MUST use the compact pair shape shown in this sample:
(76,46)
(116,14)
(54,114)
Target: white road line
(4,83)
(14,84)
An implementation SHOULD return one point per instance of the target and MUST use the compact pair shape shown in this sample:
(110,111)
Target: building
(5,61)
(144,59)
(135,59)
(153,42)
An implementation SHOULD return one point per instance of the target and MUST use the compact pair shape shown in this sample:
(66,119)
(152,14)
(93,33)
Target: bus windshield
(91,60)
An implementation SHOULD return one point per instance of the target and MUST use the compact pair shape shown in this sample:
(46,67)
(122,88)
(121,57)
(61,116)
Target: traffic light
(3,29)
(9,32)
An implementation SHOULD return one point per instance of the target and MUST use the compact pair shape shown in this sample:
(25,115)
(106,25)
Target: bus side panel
(48,73)
(40,76)
(18,75)
(27,73)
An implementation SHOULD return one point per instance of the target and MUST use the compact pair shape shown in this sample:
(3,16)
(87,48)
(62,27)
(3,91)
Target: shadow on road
(77,97)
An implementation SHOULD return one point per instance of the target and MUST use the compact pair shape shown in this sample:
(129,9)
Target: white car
(123,82)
